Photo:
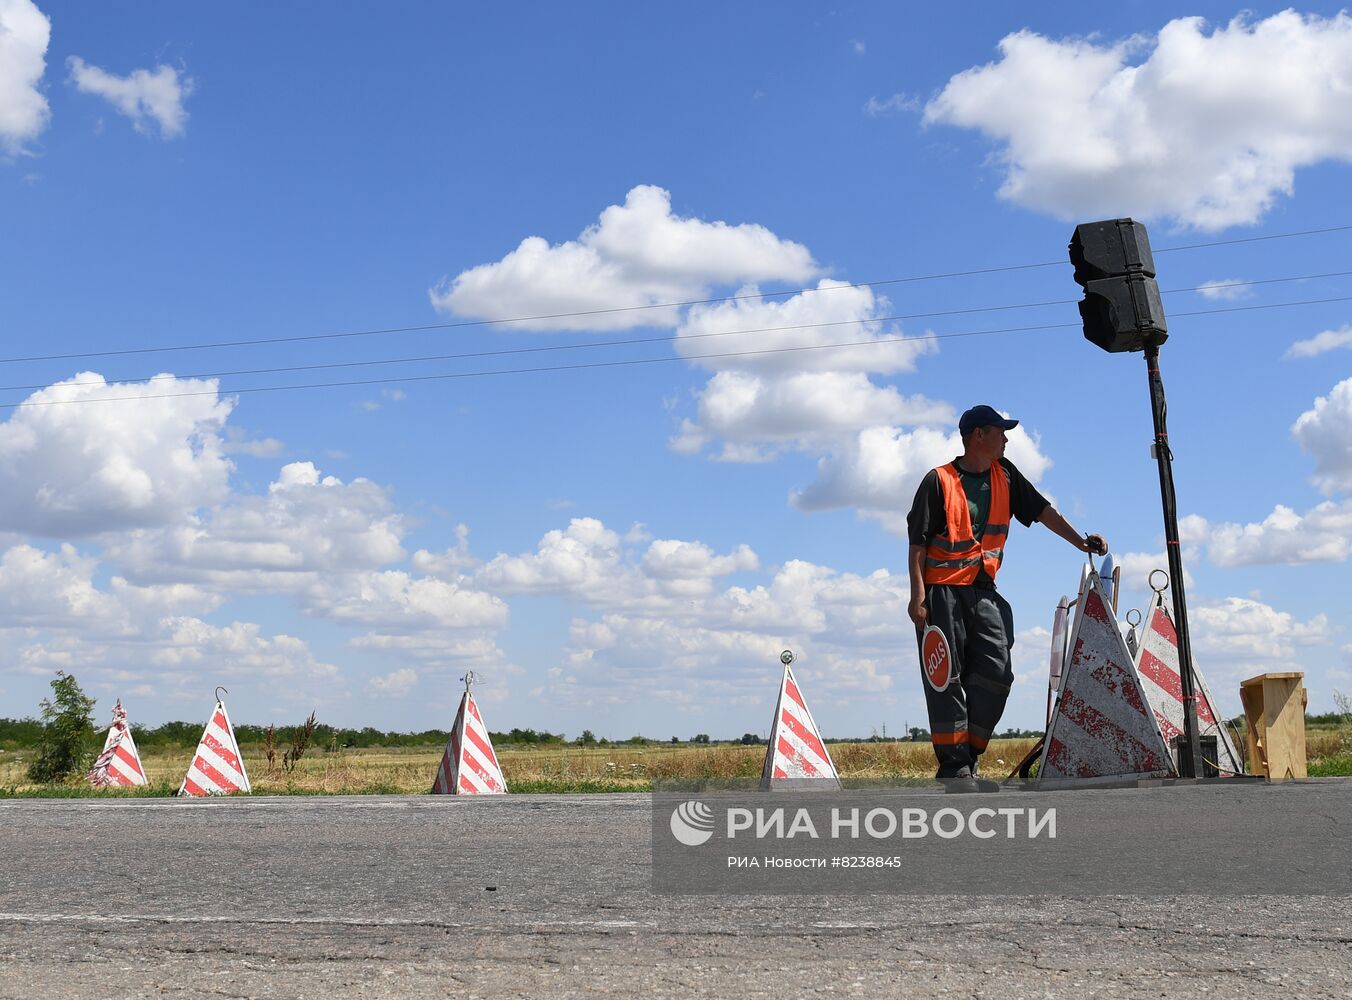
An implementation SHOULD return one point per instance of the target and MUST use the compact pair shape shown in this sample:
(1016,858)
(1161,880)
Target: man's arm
(1052,518)
(916,562)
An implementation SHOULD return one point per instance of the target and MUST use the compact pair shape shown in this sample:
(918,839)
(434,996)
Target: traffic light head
(1121,310)
(1109,248)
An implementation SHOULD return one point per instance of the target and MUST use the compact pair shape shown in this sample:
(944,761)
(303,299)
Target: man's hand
(1060,527)
(918,612)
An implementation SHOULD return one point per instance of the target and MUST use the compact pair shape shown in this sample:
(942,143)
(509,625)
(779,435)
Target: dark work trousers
(979,626)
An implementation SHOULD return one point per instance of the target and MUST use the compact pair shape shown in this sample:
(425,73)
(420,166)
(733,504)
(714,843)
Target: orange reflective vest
(956,556)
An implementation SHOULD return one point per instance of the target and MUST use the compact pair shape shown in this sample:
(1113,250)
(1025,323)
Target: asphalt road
(552,896)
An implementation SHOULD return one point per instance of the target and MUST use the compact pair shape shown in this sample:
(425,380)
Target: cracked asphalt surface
(542,896)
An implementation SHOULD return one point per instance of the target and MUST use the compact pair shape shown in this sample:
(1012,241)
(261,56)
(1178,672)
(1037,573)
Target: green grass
(577,786)
(1334,766)
(83,791)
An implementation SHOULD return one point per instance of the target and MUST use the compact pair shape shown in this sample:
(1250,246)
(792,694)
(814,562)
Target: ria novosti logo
(692,823)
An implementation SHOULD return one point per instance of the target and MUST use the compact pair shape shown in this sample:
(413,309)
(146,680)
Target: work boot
(984,784)
(960,782)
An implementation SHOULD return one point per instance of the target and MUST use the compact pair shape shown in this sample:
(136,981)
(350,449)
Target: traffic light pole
(1190,754)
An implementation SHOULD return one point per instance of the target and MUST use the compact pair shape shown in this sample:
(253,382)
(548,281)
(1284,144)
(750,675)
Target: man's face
(990,441)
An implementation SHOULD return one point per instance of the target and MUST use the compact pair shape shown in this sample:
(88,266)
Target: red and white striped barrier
(1157,663)
(218,767)
(469,766)
(119,763)
(1102,728)
(796,757)
(1058,658)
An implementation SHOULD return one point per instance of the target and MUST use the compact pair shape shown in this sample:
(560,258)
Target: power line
(1255,239)
(543,368)
(637,361)
(461,324)
(1270,305)
(675,339)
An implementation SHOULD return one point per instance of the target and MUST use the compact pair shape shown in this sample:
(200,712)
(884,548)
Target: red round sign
(935,659)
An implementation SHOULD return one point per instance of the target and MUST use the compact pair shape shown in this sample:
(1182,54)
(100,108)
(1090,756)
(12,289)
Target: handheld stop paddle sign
(935,659)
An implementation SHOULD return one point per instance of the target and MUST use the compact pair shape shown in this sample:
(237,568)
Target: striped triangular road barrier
(1157,662)
(119,763)
(469,766)
(217,767)
(797,757)
(1102,728)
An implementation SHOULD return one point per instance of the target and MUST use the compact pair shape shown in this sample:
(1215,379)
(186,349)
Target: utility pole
(1122,311)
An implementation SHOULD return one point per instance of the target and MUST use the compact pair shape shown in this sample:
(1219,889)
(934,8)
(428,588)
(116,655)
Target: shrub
(67,733)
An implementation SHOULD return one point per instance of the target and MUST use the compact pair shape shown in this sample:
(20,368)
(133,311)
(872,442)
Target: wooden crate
(1274,708)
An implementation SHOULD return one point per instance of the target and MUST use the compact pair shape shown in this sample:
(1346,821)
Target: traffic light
(1121,309)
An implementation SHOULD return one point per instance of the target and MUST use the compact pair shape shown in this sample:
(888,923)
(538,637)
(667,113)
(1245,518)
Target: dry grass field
(538,769)
(579,769)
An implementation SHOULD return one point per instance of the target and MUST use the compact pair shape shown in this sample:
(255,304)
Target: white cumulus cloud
(402,604)
(757,415)
(395,684)
(807,399)
(55,589)
(671,559)
(54,615)
(307,525)
(1206,126)
(848,631)
(1224,290)
(143,95)
(879,470)
(77,458)
(809,328)
(24,35)
(1138,567)
(450,562)
(1321,343)
(583,561)
(1325,431)
(1241,628)
(1322,534)
(638,254)
(589,562)
(239,649)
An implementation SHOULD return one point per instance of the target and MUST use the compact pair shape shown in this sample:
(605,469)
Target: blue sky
(627,548)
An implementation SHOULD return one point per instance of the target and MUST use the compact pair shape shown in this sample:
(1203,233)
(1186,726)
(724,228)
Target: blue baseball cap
(983,416)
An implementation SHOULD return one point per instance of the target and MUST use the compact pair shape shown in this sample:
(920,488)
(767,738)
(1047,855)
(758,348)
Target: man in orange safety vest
(958,526)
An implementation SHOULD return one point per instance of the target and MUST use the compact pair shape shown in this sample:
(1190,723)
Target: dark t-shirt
(927,518)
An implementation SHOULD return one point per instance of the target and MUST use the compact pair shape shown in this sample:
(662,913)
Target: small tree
(587,739)
(67,733)
(700,738)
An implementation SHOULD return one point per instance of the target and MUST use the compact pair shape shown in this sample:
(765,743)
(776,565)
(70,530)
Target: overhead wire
(631,361)
(630,341)
(580,314)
